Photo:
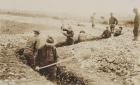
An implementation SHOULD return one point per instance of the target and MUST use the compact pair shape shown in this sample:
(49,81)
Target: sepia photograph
(69,42)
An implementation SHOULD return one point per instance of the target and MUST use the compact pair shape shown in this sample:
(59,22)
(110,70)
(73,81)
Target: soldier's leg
(52,73)
(135,32)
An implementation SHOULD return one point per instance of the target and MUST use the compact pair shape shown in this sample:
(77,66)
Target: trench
(63,75)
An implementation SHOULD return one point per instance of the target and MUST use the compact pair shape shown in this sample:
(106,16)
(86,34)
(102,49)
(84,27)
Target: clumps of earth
(113,61)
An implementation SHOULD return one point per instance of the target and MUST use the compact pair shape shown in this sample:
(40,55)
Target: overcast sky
(82,7)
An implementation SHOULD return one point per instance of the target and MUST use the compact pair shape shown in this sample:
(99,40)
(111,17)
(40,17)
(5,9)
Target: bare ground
(113,61)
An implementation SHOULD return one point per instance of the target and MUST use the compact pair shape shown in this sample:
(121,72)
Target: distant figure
(106,33)
(112,22)
(81,37)
(93,20)
(118,32)
(69,34)
(31,49)
(47,55)
(136,24)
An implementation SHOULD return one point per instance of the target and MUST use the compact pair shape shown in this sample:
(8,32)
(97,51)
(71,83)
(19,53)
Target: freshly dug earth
(113,61)
(14,72)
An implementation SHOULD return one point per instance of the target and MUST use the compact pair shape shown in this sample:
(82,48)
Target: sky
(75,7)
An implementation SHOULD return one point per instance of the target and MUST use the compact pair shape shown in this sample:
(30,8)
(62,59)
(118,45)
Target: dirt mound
(112,61)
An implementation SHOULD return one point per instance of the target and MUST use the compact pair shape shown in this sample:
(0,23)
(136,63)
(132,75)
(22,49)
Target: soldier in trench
(136,24)
(47,55)
(31,49)
(69,34)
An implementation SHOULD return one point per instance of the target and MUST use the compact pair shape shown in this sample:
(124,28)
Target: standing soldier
(112,22)
(93,20)
(47,55)
(31,49)
(136,24)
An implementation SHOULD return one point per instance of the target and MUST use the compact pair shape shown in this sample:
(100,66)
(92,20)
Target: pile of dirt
(113,60)
(13,71)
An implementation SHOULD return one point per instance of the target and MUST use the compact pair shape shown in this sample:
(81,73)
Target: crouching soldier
(118,32)
(81,37)
(47,55)
(31,49)
(106,33)
(69,34)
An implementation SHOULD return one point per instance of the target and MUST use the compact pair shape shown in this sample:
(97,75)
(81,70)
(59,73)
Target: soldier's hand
(37,68)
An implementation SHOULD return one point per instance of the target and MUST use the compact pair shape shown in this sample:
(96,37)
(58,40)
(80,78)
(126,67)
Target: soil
(113,61)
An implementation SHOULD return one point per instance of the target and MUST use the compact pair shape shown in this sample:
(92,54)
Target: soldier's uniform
(106,34)
(47,55)
(31,49)
(118,31)
(69,35)
(136,26)
(112,22)
(93,21)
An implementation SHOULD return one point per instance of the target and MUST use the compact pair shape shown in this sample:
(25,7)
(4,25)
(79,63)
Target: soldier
(31,49)
(47,55)
(93,20)
(112,22)
(106,33)
(118,31)
(81,37)
(136,24)
(69,35)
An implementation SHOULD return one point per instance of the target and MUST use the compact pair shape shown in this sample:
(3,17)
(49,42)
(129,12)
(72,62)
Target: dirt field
(113,61)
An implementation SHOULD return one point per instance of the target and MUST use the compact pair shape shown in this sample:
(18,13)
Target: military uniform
(30,51)
(69,34)
(112,22)
(93,21)
(106,34)
(69,41)
(136,26)
(47,55)
(118,32)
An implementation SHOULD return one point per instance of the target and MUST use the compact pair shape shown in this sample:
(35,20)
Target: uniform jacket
(113,20)
(46,55)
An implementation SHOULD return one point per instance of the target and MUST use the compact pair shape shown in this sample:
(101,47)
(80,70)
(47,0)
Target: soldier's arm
(55,55)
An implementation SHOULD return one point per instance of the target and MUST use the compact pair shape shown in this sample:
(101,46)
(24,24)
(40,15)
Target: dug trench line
(63,75)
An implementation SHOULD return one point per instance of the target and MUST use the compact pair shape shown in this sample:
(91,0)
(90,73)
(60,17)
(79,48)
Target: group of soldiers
(38,57)
(113,21)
